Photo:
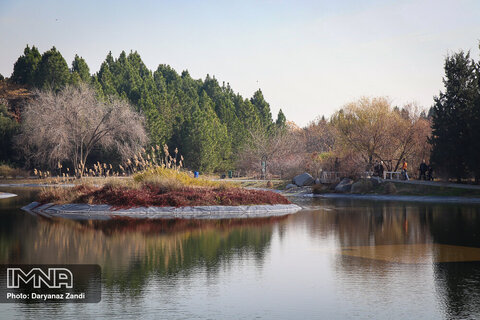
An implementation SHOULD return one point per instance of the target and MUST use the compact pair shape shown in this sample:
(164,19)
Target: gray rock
(344,186)
(317,181)
(390,188)
(290,186)
(304,179)
(105,212)
(376,181)
(362,186)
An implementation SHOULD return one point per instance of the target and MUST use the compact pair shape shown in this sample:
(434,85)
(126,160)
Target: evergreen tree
(105,78)
(98,87)
(263,108)
(52,71)
(451,116)
(1,77)
(206,142)
(281,120)
(204,120)
(8,129)
(26,66)
(80,68)
(474,159)
(246,113)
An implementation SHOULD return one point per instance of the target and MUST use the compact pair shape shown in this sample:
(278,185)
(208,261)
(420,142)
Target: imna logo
(54,278)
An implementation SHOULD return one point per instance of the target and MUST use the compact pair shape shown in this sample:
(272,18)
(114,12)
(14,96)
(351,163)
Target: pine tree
(26,66)
(80,68)
(474,158)
(98,87)
(9,127)
(281,120)
(451,116)
(52,71)
(263,108)
(206,142)
(105,78)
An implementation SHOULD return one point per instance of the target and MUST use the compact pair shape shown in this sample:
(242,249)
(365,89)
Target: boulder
(304,179)
(376,181)
(362,186)
(389,188)
(290,186)
(344,186)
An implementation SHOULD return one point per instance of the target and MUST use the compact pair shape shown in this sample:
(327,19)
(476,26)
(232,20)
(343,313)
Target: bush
(174,179)
(7,171)
(152,195)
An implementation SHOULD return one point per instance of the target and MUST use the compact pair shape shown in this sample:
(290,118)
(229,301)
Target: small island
(160,192)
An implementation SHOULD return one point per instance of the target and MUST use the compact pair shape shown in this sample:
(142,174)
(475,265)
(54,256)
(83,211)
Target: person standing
(423,170)
(376,169)
(380,169)
(430,173)
(404,170)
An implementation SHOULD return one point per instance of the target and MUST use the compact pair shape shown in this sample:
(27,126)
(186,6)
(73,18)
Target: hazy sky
(308,57)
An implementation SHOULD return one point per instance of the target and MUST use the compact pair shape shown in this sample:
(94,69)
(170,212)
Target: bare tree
(67,125)
(281,149)
(372,130)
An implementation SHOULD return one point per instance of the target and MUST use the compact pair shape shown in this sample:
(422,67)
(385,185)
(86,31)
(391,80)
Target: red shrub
(148,195)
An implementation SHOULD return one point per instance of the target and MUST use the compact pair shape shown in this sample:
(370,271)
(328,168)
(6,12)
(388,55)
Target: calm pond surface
(339,259)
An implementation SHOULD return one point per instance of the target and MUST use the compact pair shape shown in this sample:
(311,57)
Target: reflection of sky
(309,57)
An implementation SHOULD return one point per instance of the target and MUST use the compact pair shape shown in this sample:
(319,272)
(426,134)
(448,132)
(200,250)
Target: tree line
(217,129)
(206,121)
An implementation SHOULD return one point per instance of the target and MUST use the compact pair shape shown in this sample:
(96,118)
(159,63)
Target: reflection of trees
(457,283)
(358,223)
(454,224)
(131,251)
(354,223)
(14,222)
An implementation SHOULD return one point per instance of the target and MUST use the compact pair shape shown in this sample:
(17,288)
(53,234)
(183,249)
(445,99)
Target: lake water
(340,259)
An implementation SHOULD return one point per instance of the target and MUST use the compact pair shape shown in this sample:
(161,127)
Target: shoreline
(403,198)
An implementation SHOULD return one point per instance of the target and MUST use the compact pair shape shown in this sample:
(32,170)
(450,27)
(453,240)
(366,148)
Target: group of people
(426,171)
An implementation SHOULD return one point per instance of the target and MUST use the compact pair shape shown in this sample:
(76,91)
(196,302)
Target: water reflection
(129,252)
(341,259)
(441,241)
